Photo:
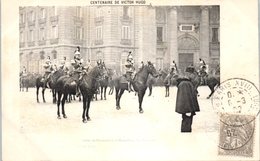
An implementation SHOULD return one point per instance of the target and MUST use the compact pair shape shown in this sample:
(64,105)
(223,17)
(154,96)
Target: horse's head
(99,71)
(151,69)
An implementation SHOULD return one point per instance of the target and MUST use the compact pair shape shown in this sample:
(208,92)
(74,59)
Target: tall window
(99,12)
(99,33)
(99,55)
(125,11)
(42,13)
(159,63)
(215,35)
(41,34)
(31,16)
(54,11)
(22,18)
(159,34)
(21,36)
(31,36)
(79,33)
(54,32)
(78,12)
(125,32)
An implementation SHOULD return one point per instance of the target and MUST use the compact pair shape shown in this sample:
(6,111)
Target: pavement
(111,134)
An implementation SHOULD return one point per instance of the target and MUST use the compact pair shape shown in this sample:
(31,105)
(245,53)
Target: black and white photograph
(130,80)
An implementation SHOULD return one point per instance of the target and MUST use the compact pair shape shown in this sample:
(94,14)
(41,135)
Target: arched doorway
(188,47)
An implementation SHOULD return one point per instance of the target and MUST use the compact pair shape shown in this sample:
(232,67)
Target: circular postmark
(236,96)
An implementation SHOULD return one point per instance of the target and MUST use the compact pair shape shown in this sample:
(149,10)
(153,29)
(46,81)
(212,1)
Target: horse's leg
(119,97)
(37,94)
(140,99)
(168,90)
(80,98)
(88,106)
(101,92)
(211,87)
(84,108)
(53,96)
(27,87)
(58,104)
(165,90)
(150,90)
(105,91)
(117,91)
(63,104)
(112,90)
(43,98)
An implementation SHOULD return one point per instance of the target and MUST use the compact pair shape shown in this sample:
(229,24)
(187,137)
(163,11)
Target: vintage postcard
(130,80)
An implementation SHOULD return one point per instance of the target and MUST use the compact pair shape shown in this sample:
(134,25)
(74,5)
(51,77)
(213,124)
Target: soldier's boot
(130,87)
(77,91)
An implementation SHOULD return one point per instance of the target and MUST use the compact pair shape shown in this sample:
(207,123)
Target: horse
(150,82)
(88,87)
(102,85)
(139,83)
(167,81)
(24,82)
(210,81)
(111,82)
(66,85)
(51,81)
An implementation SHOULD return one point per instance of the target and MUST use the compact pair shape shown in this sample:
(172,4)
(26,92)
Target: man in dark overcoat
(186,102)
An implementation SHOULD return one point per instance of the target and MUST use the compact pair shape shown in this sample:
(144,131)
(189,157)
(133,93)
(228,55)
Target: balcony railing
(31,23)
(99,42)
(21,25)
(42,20)
(126,19)
(78,42)
(161,44)
(99,19)
(21,44)
(41,42)
(125,42)
(54,41)
(214,45)
(32,43)
(54,18)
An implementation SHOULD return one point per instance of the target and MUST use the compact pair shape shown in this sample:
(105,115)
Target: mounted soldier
(63,65)
(202,71)
(48,69)
(77,62)
(129,70)
(23,72)
(172,71)
(173,67)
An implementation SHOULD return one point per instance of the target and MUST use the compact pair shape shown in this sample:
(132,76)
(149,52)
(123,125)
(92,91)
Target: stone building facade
(159,34)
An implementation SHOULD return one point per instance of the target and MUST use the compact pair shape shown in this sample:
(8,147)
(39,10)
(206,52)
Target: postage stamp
(236,96)
(236,139)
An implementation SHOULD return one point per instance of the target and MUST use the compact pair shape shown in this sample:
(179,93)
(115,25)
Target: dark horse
(24,82)
(51,81)
(211,81)
(167,81)
(88,87)
(65,86)
(139,83)
(103,84)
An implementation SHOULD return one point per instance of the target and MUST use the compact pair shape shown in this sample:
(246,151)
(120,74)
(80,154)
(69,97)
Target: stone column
(204,34)
(172,36)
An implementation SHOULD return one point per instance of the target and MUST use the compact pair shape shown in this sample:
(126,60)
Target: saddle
(123,79)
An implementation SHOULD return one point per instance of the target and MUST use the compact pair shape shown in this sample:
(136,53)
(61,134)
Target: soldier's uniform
(129,69)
